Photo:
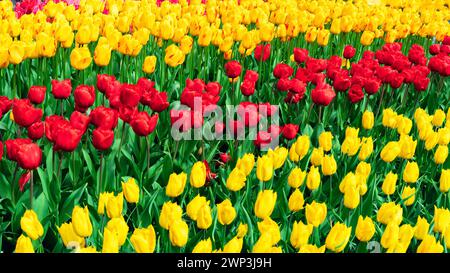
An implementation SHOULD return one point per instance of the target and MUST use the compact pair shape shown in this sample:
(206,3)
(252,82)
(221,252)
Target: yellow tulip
(390,213)
(242,230)
(69,237)
(441,154)
(24,245)
(293,156)
(176,184)
(408,195)
(16,52)
(411,172)
(110,242)
(338,237)
(226,212)
(114,206)
(389,183)
(317,156)
(203,246)
(441,219)
(325,141)
(80,58)
(197,177)
(389,118)
(81,222)
(144,239)
(351,198)
(367,120)
(390,236)
(296,177)
(265,203)
(193,207)
(296,201)
(174,56)
(119,227)
(170,212)
(311,249)
(149,64)
(329,165)
(408,146)
(302,146)
(390,151)
(131,190)
(270,226)
(315,213)
(236,180)
(30,225)
(430,245)
(365,229)
(246,163)
(367,38)
(421,229)
(204,217)
(438,118)
(300,234)
(431,140)
(234,245)
(103,201)
(264,168)
(179,233)
(444,181)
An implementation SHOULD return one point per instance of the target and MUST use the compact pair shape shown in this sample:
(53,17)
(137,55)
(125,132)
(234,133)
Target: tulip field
(234,126)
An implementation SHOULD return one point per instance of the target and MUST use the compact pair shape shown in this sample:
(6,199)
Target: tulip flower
(296,201)
(114,206)
(24,245)
(315,213)
(338,237)
(120,228)
(149,64)
(390,213)
(203,246)
(197,177)
(226,212)
(421,229)
(169,213)
(178,233)
(36,94)
(204,218)
(176,184)
(265,203)
(411,172)
(390,235)
(144,240)
(30,225)
(430,245)
(81,222)
(365,229)
(296,177)
(193,207)
(264,168)
(300,234)
(69,237)
(313,178)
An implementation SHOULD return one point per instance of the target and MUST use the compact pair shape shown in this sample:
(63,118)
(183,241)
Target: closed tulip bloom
(366,148)
(102,55)
(30,225)
(149,64)
(351,145)
(110,242)
(203,246)
(367,120)
(365,229)
(444,134)
(329,165)
(24,245)
(338,237)
(193,207)
(80,58)
(431,140)
(441,154)
(236,180)
(242,230)
(144,239)
(317,156)
(264,168)
(103,201)
(405,235)
(81,222)
(179,233)
(408,147)
(351,198)
(69,237)
(278,156)
(421,229)
(102,139)
(389,118)
(315,213)
(404,125)
(441,219)
(197,177)
(226,212)
(390,213)
(390,151)
(296,177)
(270,226)
(170,212)
(389,183)
(302,146)
(430,245)
(444,181)
(120,228)
(234,245)
(313,178)
(300,234)
(263,244)
(293,156)
(246,163)
(296,201)
(204,217)
(325,141)
(438,118)
(131,190)
(390,236)
(408,195)
(114,206)
(265,203)
(174,56)
(411,172)
(311,249)
(176,184)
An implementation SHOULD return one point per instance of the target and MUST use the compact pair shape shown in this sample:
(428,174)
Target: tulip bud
(367,120)
(317,156)
(179,233)
(203,246)
(351,198)
(103,201)
(300,234)
(296,177)
(242,230)
(329,165)
(264,168)
(325,141)
(144,240)
(246,163)
(441,154)
(131,190)
(444,181)
(296,201)
(408,195)
(176,184)
(69,237)
(114,206)
(194,206)
(389,183)
(302,146)
(313,178)
(315,213)
(81,222)
(390,151)
(422,228)
(24,245)
(438,118)
(390,236)
(226,212)
(365,229)
(338,237)
(265,203)
(441,219)
(149,64)
(30,225)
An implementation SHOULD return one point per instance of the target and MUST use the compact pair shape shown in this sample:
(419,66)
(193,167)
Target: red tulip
(249,113)
(84,96)
(293,97)
(66,138)
(284,84)
(143,124)
(36,130)
(127,113)
(349,52)
(435,49)
(247,88)
(51,124)
(145,84)
(23,180)
(159,102)
(214,88)
(266,109)
(181,118)
(209,174)
(36,94)
(316,65)
(29,156)
(79,121)
(12,147)
(262,139)
(102,139)
(262,52)
(395,79)
(372,85)
(282,71)
(355,94)
(323,94)
(300,55)
(446,40)
(197,85)
(105,118)
(233,69)
(341,82)
(24,113)
(251,75)
(61,89)
(297,87)
(5,105)
(274,130)
(225,157)
(289,131)
(421,83)
(103,82)
(130,94)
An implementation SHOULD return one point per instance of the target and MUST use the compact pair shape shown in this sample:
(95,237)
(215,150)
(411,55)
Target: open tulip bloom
(224,126)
